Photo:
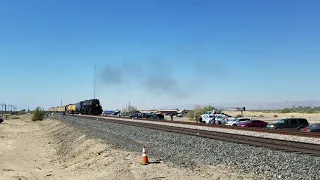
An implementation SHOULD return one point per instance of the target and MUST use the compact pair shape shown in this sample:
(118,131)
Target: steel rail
(290,146)
(252,129)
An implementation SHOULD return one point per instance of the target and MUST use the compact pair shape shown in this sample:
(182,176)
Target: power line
(7,107)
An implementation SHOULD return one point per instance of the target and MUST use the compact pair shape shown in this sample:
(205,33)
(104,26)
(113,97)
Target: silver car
(220,118)
(235,121)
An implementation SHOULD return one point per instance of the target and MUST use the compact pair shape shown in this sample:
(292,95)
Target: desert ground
(268,117)
(42,150)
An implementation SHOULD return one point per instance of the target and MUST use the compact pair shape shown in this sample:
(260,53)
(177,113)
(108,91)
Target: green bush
(285,110)
(301,109)
(275,116)
(38,114)
(23,111)
(310,111)
(198,111)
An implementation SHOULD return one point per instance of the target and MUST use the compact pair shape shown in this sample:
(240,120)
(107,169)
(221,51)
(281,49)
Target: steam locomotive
(87,107)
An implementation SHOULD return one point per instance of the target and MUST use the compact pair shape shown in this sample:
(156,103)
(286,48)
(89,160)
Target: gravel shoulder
(52,149)
(184,151)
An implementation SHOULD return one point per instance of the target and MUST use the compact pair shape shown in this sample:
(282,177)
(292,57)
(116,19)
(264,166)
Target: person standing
(171,115)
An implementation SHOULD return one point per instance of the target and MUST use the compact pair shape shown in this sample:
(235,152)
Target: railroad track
(290,146)
(293,132)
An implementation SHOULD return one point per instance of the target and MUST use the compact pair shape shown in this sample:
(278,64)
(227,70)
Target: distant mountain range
(253,105)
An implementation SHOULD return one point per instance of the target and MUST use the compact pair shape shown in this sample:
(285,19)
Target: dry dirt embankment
(53,150)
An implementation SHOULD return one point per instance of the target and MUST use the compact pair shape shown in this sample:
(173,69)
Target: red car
(312,128)
(253,123)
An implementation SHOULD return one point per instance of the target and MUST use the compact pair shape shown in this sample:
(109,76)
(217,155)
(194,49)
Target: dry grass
(271,115)
(314,117)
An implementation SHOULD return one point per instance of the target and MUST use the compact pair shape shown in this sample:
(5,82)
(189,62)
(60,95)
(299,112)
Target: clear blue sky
(183,51)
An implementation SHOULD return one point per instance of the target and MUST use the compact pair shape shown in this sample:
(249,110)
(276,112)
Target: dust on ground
(52,150)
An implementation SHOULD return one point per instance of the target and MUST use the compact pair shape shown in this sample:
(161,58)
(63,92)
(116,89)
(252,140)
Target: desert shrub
(198,111)
(190,115)
(23,111)
(38,114)
(301,109)
(285,110)
(261,116)
(275,115)
(129,110)
(15,117)
(239,116)
(310,111)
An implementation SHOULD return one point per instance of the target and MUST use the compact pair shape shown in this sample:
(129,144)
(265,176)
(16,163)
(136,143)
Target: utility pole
(94,81)
(61,103)
(2,109)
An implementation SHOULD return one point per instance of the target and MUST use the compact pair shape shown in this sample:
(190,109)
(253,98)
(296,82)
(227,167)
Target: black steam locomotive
(86,107)
(89,107)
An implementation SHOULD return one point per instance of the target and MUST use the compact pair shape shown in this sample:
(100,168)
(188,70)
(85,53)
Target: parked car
(296,123)
(1,119)
(253,123)
(220,118)
(235,121)
(208,118)
(202,118)
(312,128)
(179,115)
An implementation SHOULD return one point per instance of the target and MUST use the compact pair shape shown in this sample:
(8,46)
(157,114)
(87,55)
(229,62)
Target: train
(86,107)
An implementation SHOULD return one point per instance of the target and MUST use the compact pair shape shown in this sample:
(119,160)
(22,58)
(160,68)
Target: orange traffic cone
(144,159)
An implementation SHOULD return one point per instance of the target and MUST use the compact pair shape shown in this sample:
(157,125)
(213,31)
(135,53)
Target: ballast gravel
(187,151)
(235,131)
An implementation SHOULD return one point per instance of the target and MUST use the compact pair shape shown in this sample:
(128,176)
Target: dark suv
(297,123)
(1,120)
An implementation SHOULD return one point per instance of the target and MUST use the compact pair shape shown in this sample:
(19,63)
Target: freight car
(57,109)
